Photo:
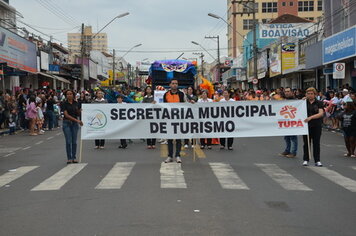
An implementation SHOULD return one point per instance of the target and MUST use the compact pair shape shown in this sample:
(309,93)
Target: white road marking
(172,176)
(38,143)
(56,181)
(353,167)
(337,178)
(13,175)
(49,138)
(26,148)
(10,154)
(116,176)
(227,177)
(286,180)
(58,134)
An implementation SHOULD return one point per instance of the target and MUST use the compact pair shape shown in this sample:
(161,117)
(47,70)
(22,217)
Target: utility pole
(202,61)
(113,67)
(82,52)
(219,62)
(251,10)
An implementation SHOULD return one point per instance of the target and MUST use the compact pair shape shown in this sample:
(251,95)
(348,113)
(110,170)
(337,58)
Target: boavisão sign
(201,120)
(298,30)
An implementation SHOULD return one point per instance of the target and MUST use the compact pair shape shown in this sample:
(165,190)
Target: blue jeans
(50,118)
(70,130)
(291,144)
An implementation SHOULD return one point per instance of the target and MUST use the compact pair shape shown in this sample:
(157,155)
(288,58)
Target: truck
(162,72)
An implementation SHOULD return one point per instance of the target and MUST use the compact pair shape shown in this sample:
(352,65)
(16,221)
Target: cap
(259,92)
(345,90)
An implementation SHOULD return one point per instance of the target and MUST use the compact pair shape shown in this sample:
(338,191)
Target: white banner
(200,120)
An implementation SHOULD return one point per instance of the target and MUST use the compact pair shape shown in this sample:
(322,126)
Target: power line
(56,12)
(62,11)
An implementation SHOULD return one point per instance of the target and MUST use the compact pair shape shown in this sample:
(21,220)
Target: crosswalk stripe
(116,176)
(337,178)
(227,178)
(353,167)
(13,175)
(172,176)
(56,181)
(286,180)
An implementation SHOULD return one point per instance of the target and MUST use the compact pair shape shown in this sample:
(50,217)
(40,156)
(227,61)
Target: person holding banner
(120,100)
(230,141)
(291,140)
(315,119)
(149,98)
(71,111)
(204,98)
(172,96)
(190,96)
(99,143)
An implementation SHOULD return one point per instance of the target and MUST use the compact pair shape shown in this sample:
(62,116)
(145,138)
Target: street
(248,191)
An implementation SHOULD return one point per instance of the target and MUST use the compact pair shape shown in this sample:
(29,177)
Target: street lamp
(120,58)
(254,44)
(193,42)
(83,48)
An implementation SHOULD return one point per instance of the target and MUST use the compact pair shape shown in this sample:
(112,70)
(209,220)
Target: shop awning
(45,75)
(61,79)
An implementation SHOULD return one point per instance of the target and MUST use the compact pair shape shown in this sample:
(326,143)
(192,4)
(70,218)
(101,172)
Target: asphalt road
(247,191)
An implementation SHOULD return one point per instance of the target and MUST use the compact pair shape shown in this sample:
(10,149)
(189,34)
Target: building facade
(92,41)
(265,12)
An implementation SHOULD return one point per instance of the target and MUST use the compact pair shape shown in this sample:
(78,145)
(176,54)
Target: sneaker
(169,159)
(178,160)
(101,147)
(186,146)
(318,164)
(96,147)
(284,153)
(291,155)
(192,146)
(305,163)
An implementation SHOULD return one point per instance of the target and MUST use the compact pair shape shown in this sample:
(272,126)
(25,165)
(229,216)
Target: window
(283,4)
(310,18)
(291,4)
(269,7)
(247,7)
(320,5)
(248,24)
(306,6)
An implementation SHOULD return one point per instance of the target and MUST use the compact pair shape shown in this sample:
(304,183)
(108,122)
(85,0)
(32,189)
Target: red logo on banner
(288,112)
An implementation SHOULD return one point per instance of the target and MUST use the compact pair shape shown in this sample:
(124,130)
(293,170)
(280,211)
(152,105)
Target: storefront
(341,48)
(19,58)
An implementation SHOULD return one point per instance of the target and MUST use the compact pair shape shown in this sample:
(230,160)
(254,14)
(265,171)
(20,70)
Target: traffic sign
(339,71)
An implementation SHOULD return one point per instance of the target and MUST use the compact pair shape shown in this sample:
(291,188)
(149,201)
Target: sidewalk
(6,131)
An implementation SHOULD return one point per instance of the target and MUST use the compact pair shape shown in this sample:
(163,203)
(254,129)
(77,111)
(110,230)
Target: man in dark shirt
(50,112)
(315,119)
(291,140)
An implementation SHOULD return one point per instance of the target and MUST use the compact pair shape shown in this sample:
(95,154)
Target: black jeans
(208,141)
(100,142)
(314,134)
(230,141)
(178,147)
(123,142)
(151,142)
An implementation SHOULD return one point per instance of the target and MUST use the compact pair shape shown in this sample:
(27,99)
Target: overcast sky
(160,25)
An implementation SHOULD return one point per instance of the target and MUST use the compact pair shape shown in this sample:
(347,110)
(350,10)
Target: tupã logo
(98,120)
(288,112)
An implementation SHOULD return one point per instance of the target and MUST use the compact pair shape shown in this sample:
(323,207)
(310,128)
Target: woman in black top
(71,122)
